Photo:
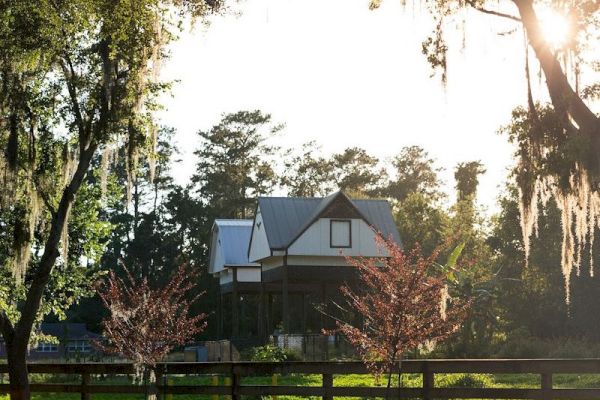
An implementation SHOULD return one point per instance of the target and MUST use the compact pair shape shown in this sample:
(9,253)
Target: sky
(335,72)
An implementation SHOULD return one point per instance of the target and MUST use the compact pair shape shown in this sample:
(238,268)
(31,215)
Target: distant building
(275,268)
(73,340)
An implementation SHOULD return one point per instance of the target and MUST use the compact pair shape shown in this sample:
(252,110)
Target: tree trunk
(564,98)
(399,376)
(389,384)
(17,371)
(150,383)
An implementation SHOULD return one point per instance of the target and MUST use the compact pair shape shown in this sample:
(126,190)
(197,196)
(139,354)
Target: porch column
(269,314)
(285,297)
(323,299)
(261,312)
(235,313)
(304,310)
(220,315)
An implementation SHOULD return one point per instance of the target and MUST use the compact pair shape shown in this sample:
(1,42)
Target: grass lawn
(409,380)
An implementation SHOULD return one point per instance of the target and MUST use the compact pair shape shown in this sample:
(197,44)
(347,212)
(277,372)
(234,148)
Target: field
(409,380)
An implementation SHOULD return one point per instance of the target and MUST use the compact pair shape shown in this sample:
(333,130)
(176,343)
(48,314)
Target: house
(72,340)
(295,258)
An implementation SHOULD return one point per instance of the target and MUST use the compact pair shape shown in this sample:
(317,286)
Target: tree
(553,157)
(403,306)
(415,190)
(232,167)
(307,175)
(355,171)
(561,160)
(466,175)
(146,323)
(421,223)
(76,76)
(541,283)
(476,280)
(415,173)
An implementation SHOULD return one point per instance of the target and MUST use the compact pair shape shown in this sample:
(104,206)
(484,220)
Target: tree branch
(564,99)
(45,199)
(69,73)
(492,12)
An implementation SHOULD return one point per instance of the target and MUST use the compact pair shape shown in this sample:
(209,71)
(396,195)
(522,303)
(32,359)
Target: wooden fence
(238,371)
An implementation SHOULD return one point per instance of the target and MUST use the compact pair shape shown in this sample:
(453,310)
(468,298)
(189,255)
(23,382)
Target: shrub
(273,353)
(464,380)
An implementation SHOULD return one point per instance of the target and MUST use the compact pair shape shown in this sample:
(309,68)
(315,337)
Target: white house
(295,254)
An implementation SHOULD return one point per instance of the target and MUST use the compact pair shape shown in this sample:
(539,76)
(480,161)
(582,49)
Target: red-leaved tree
(403,306)
(146,323)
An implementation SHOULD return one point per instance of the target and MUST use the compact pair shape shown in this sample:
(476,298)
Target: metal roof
(234,236)
(284,218)
(67,330)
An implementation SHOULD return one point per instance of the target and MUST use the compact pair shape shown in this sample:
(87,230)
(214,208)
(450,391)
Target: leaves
(402,305)
(145,323)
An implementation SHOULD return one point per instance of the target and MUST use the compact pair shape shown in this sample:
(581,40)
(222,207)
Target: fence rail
(237,371)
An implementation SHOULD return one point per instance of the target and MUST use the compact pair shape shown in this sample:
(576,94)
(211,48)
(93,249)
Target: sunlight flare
(555,26)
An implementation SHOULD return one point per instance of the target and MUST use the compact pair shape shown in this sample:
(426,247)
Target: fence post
(547,385)
(327,385)
(428,382)
(235,384)
(215,382)
(169,396)
(227,382)
(85,381)
(274,383)
(159,383)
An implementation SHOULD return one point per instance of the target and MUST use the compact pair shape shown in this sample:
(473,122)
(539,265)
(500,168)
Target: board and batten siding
(315,241)
(259,247)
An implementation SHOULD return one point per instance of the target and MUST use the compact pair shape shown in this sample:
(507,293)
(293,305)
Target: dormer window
(340,233)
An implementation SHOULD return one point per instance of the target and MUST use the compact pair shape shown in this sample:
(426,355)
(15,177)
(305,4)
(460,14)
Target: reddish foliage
(402,305)
(146,323)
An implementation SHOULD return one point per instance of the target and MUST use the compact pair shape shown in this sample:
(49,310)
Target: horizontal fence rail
(235,372)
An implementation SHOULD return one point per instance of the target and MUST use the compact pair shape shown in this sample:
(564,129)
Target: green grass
(408,380)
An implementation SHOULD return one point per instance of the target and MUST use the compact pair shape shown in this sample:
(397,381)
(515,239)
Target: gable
(340,207)
(318,240)
(259,244)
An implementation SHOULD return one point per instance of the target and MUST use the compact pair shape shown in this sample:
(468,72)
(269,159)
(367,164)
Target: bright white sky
(333,71)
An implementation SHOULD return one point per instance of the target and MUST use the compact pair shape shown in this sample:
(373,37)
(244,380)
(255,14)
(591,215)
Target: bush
(464,380)
(272,353)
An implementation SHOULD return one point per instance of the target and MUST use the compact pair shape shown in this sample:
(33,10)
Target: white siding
(315,241)
(248,274)
(259,245)
(244,275)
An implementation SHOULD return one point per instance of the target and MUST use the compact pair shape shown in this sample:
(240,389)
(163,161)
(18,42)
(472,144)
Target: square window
(340,233)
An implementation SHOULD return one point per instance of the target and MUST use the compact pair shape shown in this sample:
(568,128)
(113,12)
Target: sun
(555,27)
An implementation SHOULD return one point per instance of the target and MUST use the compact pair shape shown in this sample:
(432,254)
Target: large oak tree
(561,159)
(77,78)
